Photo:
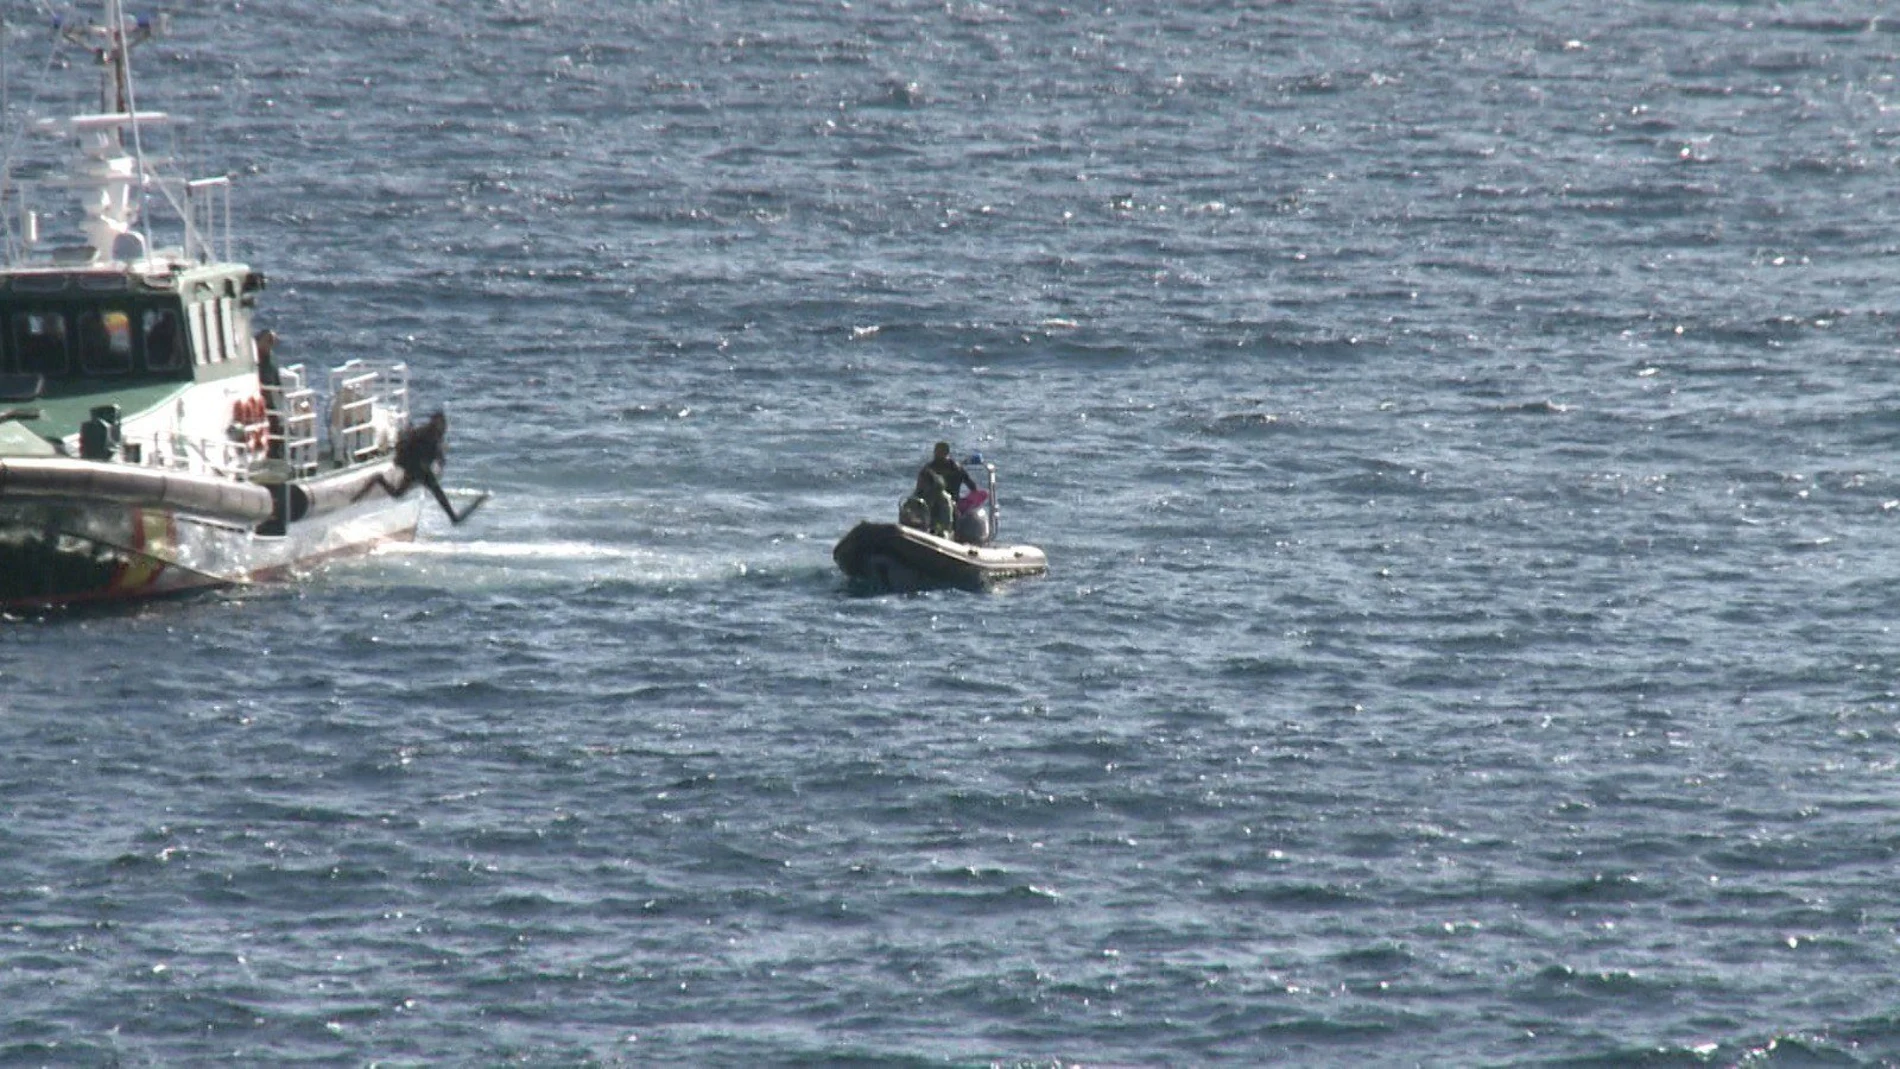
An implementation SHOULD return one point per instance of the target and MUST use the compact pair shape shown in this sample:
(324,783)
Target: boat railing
(292,408)
(208,218)
(223,458)
(989,503)
(33,209)
(27,224)
(369,406)
(23,229)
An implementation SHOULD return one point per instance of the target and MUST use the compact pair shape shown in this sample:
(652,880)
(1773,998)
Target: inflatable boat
(907,556)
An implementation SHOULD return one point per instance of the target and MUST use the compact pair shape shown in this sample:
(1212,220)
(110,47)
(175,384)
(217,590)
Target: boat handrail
(198,456)
(206,199)
(294,408)
(221,457)
(369,406)
(989,504)
(202,210)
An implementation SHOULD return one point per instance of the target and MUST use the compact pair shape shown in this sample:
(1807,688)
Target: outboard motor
(99,435)
(973,526)
(976,511)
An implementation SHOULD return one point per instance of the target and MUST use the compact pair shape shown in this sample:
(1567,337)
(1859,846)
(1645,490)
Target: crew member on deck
(419,457)
(950,478)
(264,343)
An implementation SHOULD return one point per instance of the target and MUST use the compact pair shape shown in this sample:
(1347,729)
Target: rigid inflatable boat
(908,556)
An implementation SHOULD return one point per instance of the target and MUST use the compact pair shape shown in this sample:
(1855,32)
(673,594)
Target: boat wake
(503,565)
(550,552)
(565,561)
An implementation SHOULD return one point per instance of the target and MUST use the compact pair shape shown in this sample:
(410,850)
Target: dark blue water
(1463,438)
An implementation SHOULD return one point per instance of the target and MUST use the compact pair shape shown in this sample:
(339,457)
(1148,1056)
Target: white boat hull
(61,548)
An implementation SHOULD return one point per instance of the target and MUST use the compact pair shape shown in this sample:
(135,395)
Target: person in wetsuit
(419,456)
(946,478)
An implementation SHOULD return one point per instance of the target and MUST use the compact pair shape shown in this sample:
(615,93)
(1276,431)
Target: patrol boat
(907,556)
(149,444)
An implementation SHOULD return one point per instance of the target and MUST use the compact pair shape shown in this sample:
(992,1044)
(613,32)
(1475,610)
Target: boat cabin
(80,331)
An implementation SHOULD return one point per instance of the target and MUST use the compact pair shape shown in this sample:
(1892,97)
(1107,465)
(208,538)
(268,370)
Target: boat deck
(64,405)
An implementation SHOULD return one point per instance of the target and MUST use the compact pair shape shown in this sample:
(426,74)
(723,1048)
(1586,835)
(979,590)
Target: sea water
(1462,436)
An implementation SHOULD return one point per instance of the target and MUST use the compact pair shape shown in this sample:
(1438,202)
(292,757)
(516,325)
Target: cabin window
(227,327)
(162,349)
(39,342)
(199,354)
(214,334)
(105,341)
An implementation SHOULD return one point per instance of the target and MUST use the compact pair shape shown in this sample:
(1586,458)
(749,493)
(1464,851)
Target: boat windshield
(38,343)
(105,341)
(93,342)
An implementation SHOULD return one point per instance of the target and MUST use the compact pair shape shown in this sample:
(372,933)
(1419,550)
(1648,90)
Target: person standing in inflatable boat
(937,481)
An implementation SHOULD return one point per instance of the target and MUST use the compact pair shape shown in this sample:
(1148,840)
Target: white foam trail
(523,551)
(482,563)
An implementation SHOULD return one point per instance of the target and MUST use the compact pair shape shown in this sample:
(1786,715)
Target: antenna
(115,202)
(111,46)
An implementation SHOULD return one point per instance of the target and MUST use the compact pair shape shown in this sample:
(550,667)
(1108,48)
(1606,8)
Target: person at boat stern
(419,457)
(950,478)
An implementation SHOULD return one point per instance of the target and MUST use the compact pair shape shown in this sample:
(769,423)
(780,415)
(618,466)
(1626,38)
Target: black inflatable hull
(886,556)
